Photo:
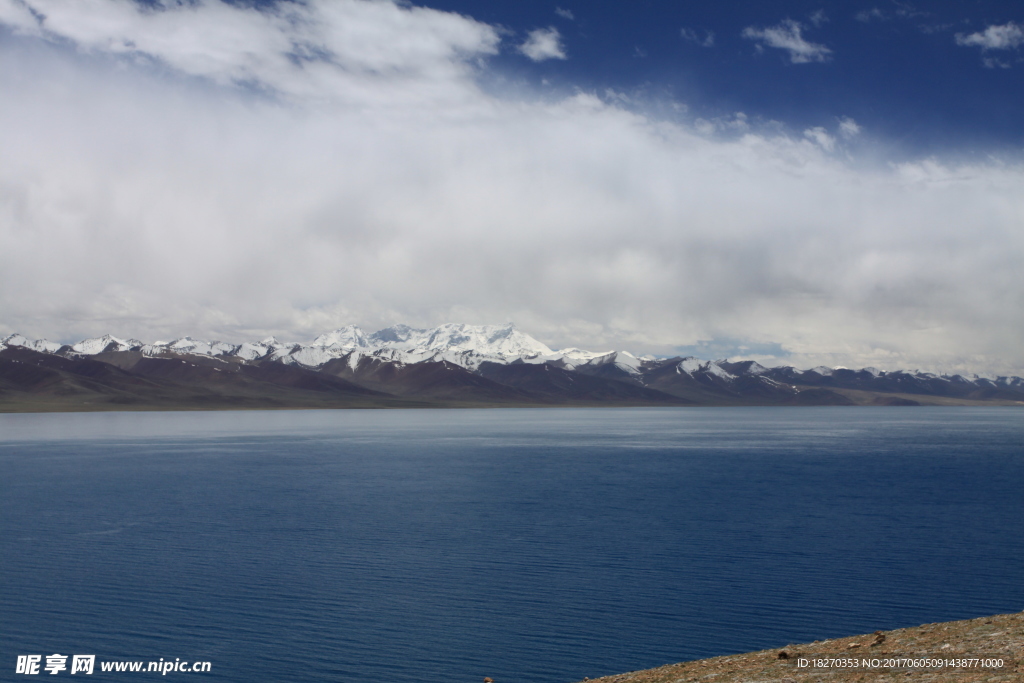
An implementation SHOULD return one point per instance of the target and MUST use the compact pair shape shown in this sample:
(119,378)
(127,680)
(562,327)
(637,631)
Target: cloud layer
(788,35)
(542,44)
(704,38)
(340,163)
(996,37)
(335,50)
(1008,36)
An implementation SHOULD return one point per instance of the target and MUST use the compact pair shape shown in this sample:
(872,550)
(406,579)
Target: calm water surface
(525,545)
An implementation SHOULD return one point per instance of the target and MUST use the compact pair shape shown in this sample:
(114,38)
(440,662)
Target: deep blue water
(525,545)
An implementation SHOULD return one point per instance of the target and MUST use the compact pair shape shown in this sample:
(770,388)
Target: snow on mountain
(502,341)
(465,345)
(396,334)
(250,351)
(623,360)
(573,357)
(718,371)
(40,345)
(13,340)
(198,347)
(106,343)
(755,368)
(311,356)
(335,344)
(460,344)
(691,366)
(350,337)
(43,346)
(471,345)
(260,349)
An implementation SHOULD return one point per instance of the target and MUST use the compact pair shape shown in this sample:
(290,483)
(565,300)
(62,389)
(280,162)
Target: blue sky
(800,183)
(894,67)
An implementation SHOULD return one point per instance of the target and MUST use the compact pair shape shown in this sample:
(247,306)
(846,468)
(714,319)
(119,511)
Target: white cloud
(320,49)
(565,13)
(818,17)
(143,195)
(704,38)
(820,136)
(848,128)
(869,15)
(788,35)
(995,63)
(1005,37)
(542,44)
(926,22)
(737,123)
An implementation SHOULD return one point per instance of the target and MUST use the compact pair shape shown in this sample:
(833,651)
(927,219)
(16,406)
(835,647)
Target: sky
(801,183)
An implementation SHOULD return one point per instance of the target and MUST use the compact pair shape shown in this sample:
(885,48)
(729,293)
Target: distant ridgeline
(452,365)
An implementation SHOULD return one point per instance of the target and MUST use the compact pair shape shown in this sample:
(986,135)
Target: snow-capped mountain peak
(396,334)
(623,360)
(348,337)
(487,340)
(106,343)
(689,365)
(755,368)
(465,345)
(252,351)
(470,346)
(216,348)
(692,366)
(40,345)
(14,340)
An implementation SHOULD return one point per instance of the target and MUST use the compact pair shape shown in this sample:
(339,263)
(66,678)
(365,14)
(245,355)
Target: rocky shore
(953,652)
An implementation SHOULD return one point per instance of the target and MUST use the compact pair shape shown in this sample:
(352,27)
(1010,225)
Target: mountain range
(447,366)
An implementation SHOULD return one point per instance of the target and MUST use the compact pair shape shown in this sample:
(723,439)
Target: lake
(524,545)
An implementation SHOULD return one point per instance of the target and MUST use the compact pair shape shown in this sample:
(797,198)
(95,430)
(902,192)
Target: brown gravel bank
(988,638)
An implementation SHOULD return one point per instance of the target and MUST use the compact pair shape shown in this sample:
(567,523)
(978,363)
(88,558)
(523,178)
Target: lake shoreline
(400,404)
(998,637)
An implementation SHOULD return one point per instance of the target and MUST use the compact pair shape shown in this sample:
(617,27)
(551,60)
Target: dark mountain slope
(702,389)
(563,386)
(129,379)
(41,374)
(427,380)
(900,383)
(31,380)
